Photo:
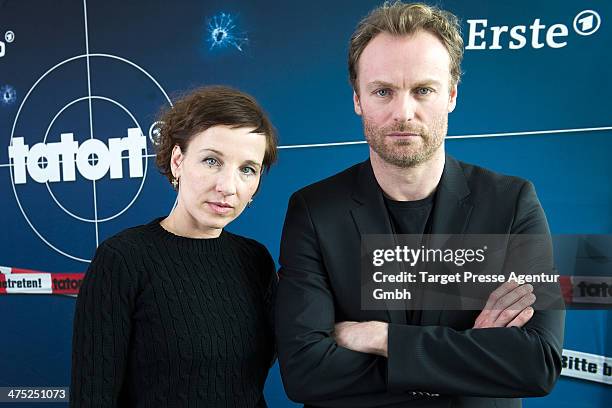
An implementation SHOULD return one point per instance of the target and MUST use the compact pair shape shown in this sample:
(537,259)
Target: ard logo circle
(587,22)
(84,143)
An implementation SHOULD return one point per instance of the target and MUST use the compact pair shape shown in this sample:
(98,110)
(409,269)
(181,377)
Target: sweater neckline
(198,244)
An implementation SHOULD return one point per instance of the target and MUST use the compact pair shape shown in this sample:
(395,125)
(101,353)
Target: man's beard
(406,153)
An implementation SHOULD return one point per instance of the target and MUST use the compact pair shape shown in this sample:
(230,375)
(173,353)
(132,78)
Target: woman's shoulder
(256,256)
(250,247)
(119,258)
(130,239)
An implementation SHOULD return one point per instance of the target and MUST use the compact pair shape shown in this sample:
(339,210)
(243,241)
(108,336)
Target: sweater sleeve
(270,284)
(101,330)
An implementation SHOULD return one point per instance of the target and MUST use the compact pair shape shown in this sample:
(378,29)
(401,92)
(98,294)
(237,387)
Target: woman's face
(218,175)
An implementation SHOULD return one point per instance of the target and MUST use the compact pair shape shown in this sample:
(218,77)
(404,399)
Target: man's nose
(226,182)
(404,107)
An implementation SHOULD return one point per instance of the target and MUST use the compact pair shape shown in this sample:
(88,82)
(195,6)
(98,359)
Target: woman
(177,312)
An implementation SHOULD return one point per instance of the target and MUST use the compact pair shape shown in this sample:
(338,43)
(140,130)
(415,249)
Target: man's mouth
(402,134)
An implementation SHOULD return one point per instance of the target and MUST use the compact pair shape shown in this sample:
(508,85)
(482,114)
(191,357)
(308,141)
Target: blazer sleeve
(495,362)
(313,367)
(101,331)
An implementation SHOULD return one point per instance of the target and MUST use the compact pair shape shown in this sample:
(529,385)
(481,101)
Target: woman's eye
(248,170)
(211,161)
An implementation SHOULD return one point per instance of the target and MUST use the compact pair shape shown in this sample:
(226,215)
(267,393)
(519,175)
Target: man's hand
(507,306)
(365,337)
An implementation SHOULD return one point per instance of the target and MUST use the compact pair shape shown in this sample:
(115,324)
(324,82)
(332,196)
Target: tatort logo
(79,159)
(595,289)
(483,36)
(93,159)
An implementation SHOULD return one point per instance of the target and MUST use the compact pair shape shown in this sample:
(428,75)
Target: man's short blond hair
(400,18)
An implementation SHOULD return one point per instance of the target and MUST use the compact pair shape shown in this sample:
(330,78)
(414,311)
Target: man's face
(405,95)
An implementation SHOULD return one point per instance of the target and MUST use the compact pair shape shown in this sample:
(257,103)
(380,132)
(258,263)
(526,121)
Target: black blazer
(320,285)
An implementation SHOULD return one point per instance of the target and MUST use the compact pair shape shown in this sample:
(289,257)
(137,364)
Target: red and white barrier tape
(586,289)
(576,289)
(28,281)
(587,366)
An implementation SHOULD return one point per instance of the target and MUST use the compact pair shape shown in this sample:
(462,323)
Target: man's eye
(211,161)
(383,92)
(424,91)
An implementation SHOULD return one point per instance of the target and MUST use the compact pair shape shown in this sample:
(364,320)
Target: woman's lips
(220,208)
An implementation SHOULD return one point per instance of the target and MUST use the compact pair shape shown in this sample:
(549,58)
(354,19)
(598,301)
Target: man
(404,64)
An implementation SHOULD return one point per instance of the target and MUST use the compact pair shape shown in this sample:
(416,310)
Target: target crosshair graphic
(87,56)
(153,134)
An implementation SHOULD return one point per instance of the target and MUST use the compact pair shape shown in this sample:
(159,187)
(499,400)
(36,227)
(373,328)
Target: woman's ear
(176,159)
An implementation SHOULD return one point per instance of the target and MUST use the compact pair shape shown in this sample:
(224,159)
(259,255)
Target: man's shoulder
(484,181)
(333,187)
(480,181)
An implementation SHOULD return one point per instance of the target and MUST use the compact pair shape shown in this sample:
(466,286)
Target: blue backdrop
(130,58)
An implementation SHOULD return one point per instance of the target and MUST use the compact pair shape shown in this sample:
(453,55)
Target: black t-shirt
(411,217)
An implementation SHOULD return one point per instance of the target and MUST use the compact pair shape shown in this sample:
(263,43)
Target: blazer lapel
(371,217)
(451,214)
(452,207)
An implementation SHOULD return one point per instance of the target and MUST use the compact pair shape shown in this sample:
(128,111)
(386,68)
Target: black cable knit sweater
(169,321)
